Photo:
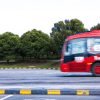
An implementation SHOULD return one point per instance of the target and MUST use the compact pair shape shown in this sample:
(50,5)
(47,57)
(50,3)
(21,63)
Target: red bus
(81,53)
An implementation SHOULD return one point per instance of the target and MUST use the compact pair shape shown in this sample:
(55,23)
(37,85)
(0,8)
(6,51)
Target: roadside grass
(49,65)
(53,64)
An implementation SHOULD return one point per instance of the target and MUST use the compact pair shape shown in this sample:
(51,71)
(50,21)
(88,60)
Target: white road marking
(28,99)
(50,99)
(6,97)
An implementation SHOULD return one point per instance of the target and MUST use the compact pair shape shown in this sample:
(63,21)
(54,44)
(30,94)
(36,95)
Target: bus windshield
(75,46)
(78,47)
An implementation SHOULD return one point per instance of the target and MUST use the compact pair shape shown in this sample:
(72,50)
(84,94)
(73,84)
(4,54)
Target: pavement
(47,82)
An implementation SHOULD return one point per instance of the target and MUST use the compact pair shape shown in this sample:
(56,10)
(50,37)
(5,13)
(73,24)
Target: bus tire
(96,69)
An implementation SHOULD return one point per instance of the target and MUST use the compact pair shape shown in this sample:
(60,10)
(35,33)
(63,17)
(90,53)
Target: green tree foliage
(24,45)
(10,44)
(34,43)
(63,29)
(76,26)
(1,47)
(97,27)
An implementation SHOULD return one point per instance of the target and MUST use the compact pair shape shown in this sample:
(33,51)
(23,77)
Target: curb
(32,68)
(50,92)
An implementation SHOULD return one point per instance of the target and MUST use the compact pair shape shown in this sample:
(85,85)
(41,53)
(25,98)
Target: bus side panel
(91,60)
(82,66)
(79,66)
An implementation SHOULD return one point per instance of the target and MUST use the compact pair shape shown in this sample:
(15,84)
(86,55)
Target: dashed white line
(50,99)
(6,97)
(29,99)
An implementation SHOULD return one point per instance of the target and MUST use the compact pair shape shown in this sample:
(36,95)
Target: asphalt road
(47,97)
(46,79)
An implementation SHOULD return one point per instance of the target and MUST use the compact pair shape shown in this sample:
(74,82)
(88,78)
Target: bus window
(68,49)
(78,47)
(93,45)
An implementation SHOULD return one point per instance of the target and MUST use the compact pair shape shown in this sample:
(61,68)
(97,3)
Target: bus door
(78,53)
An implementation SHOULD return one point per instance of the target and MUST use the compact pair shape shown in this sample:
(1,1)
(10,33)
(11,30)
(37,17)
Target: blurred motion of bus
(81,53)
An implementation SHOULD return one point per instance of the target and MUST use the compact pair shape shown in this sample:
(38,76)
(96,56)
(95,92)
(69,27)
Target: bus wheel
(96,69)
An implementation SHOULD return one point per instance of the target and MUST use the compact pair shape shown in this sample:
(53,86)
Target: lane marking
(6,97)
(50,99)
(28,99)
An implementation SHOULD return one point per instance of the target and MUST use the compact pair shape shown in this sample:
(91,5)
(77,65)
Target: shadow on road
(75,75)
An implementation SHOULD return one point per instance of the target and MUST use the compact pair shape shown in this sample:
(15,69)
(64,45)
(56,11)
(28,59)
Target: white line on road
(50,99)
(29,99)
(6,97)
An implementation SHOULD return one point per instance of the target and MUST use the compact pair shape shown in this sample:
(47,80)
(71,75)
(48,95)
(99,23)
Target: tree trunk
(47,55)
(38,57)
(35,57)
(23,57)
(15,59)
(7,60)
(30,58)
(42,56)
(57,55)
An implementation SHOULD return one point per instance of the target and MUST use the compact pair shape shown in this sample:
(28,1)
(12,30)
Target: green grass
(47,65)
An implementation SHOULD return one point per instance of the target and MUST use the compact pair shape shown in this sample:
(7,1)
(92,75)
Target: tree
(34,43)
(77,26)
(11,45)
(1,47)
(97,27)
(61,30)
(41,43)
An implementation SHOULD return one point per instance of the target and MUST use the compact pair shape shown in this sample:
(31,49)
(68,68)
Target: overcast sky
(20,16)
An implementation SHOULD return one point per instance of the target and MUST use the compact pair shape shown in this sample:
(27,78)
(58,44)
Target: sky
(20,16)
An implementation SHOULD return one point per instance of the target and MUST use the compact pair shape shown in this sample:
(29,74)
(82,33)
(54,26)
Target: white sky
(20,16)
